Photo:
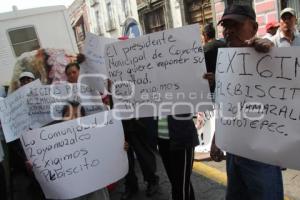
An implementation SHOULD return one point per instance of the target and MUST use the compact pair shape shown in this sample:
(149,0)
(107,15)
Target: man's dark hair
(209,31)
(75,64)
(73,104)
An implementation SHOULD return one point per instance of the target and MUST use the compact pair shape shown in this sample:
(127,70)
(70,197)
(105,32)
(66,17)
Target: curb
(214,174)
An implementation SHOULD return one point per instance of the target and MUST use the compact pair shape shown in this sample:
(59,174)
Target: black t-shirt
(210,53)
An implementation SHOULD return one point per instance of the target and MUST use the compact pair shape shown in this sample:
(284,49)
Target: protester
(18,161)
(69,112)
(271,29)
(210,48)
(136,135)
(247,179)
(3,181)
(72,71)
(140,134)
(25,78)
(176,146)
(17,156)
(287,35)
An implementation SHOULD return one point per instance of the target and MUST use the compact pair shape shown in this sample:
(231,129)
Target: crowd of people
(247,179)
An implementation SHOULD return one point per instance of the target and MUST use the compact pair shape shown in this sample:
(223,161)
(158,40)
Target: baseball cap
(272,25)
(238,13)
(26,74)
(288,10)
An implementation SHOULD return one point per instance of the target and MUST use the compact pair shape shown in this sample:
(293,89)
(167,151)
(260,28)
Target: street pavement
(205,187)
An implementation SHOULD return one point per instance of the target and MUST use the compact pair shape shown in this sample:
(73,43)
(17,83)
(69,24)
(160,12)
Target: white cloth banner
(159,74)
(77,157)
(259,97)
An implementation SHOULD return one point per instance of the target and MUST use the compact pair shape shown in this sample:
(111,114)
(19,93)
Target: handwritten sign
(46,101)
(159,74)
(93,71)
(35,105)
(258,95)
(71,159)
(14,114)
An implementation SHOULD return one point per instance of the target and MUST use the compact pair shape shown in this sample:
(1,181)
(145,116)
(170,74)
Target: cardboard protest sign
(258,95)
(159,74)
(92,70)
(71,159)
(15,115)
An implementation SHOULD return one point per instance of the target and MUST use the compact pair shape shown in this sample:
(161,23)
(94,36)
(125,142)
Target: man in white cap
(25,78)
(285,36)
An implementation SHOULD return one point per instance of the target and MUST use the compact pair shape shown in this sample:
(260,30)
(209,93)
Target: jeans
(252,180)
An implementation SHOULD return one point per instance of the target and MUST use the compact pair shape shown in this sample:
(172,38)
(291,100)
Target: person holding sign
(285,35)
(18,160)
(176,146)
(247,179)
(72,72)
(74,110)
(3,184)
(25,78)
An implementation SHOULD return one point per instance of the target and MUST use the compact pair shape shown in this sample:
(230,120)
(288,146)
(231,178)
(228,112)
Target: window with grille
(23,40)
(155,21)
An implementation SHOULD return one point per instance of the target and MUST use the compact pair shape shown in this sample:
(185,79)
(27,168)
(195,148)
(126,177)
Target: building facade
(266,10)
(114,18)
(80,21)
(156,15)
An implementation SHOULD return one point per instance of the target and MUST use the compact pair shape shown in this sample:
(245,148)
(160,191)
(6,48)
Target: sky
(6,5)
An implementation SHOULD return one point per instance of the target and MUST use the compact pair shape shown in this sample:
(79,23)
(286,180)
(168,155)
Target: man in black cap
(247,179)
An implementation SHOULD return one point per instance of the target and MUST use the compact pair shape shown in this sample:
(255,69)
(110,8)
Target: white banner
(159,74)
(259,97)
(77,157)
